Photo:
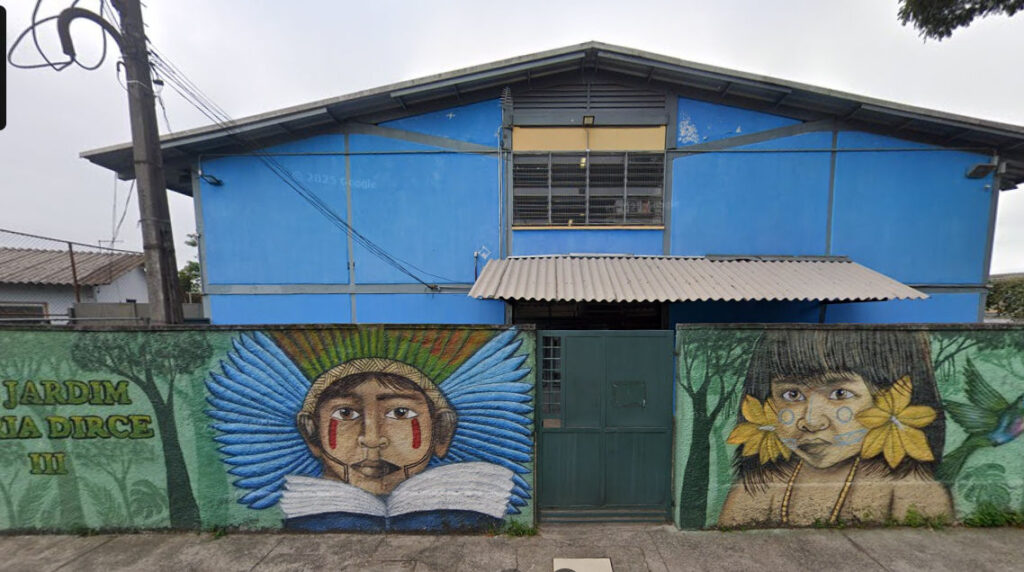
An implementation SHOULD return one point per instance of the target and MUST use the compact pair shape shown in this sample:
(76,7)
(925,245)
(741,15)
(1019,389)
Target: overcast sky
(259,55)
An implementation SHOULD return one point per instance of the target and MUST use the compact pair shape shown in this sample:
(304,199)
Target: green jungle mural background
(379,428)
(200,428)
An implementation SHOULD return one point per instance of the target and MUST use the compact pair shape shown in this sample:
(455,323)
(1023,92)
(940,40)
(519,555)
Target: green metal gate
(605,412)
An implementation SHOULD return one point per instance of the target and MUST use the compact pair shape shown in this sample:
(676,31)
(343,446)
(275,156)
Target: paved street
(629,547)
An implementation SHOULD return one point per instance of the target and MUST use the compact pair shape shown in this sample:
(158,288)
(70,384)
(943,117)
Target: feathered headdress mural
(266,377)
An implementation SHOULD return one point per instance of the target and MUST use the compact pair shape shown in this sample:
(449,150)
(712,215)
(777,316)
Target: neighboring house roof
(690,79)
(53,267)
(624,278)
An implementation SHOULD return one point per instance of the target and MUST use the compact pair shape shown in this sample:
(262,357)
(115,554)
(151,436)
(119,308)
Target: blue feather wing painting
(253,402)
(494,409)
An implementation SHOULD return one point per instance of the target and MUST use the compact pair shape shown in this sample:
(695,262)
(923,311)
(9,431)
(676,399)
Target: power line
(124,212)
(185,87)
(63,241)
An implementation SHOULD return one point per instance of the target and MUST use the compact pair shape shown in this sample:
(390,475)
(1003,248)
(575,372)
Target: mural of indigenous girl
(377,429)
(837,425)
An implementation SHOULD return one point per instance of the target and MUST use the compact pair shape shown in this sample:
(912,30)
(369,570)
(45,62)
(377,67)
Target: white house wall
(58,299)
(129,286)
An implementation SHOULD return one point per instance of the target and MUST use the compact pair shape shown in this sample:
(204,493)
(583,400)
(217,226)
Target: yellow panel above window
(592,138)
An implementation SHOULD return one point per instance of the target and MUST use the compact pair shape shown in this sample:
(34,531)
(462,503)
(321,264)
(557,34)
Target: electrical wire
(188,90)
(192,94)
(56,66)
(163,108)
(124,212)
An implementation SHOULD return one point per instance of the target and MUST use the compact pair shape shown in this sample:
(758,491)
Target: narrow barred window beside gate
(551,376)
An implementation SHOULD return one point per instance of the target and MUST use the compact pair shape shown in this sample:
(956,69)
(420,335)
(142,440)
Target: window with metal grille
(587,188)
(23,312)
(551,375)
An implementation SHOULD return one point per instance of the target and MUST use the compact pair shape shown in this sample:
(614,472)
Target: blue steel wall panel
(911,215)
(939,308)
(527,242)
(432,211)
(752,203)
(427,309)
(280,309)
(700,122)
(259,231)
(475,123)
(728,312)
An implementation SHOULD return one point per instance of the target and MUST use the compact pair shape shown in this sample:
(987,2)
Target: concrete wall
(367,429)
(802,426)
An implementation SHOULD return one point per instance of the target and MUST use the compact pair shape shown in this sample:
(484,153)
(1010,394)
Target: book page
(304,496)
(477,486)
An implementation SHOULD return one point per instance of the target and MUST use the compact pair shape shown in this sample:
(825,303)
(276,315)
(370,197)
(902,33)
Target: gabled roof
(53,267)
(624,278)
(729,87)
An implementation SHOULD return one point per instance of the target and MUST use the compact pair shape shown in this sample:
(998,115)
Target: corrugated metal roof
(53,267)
(690,79)
(617,278)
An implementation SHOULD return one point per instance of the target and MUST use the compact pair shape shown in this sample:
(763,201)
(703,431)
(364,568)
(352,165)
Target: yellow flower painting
(895,426)
(757,434)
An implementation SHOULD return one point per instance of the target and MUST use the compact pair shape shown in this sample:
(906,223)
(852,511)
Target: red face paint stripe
(416,434)
(332,434)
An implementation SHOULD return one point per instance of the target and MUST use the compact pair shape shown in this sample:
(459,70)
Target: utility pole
(157,238)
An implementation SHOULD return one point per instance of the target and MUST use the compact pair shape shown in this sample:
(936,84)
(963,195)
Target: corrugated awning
(620,278)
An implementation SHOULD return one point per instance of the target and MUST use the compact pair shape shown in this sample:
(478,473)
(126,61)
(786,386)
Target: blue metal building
(588,149)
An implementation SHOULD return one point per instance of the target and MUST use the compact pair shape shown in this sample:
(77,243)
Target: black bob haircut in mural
(880,357)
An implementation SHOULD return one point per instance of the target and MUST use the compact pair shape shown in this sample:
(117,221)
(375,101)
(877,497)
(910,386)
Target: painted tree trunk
(693,496)
(184,511)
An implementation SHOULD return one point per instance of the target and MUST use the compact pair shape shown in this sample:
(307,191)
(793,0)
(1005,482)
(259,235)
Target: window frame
(43,318)
(639,206)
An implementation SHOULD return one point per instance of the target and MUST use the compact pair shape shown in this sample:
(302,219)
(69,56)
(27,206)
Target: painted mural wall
(812,427)
(369,429)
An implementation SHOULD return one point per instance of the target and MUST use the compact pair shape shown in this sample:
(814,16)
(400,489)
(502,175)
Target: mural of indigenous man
(375,429)
(837,425)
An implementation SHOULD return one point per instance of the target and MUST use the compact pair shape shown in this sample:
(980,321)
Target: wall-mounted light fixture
(211,180)
(588,120)
(981,170)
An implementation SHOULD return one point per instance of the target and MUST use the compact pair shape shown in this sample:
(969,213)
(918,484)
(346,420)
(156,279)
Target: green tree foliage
(189,276)
(986,485)
(712,364)
(154,362)
(936,19)
(21,508)
(141,500)
(1007,297)
(21,358)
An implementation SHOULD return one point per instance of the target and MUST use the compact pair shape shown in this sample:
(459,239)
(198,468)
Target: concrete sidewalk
(629,547)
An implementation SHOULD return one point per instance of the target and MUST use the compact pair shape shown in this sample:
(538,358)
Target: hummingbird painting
(989,419)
